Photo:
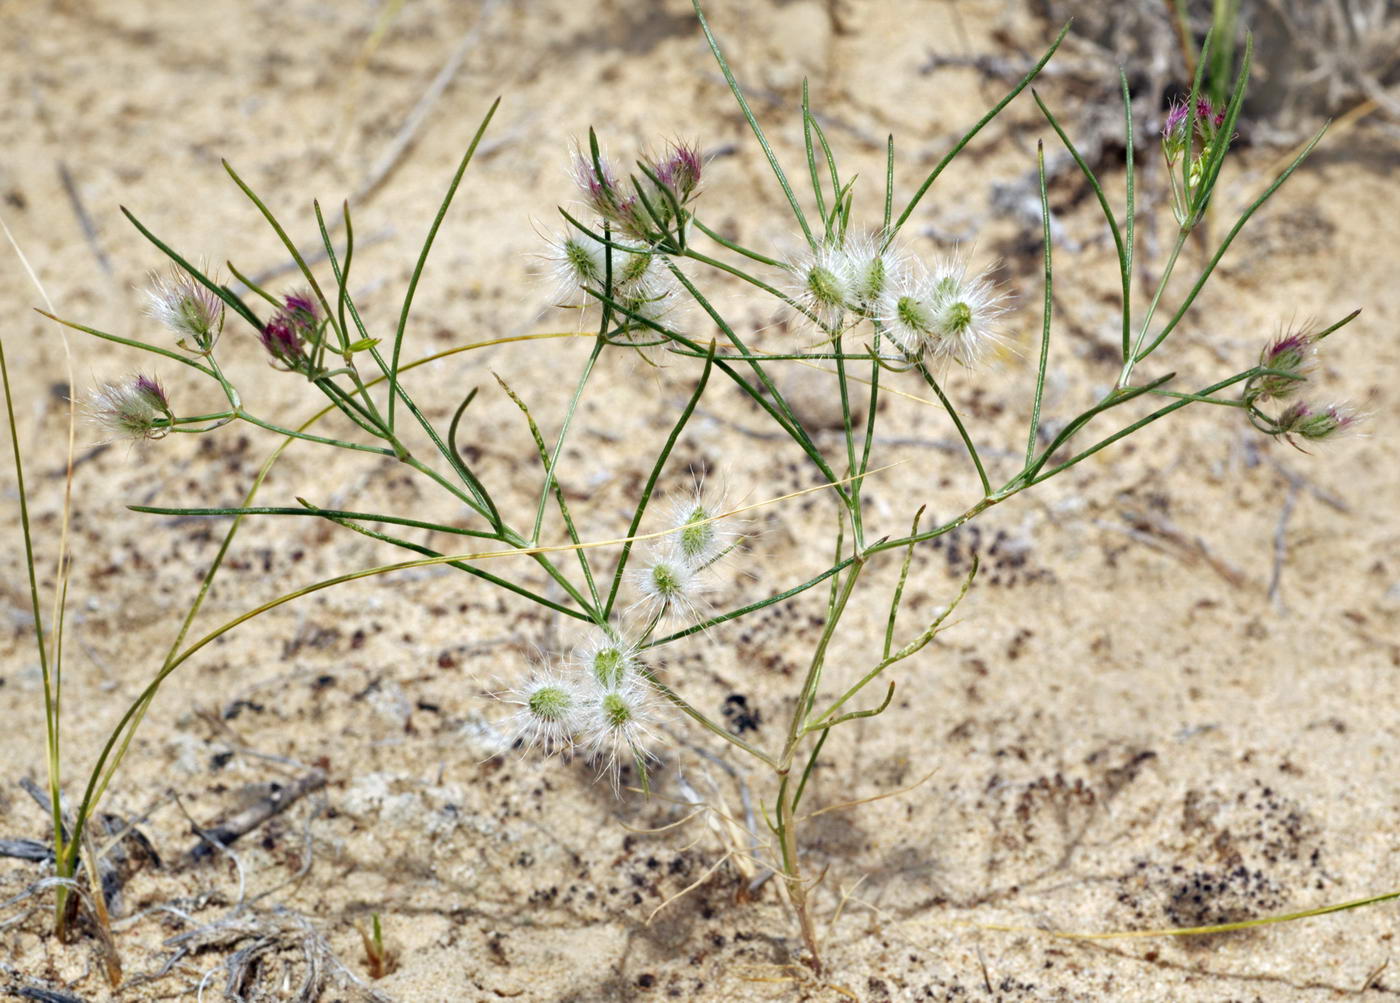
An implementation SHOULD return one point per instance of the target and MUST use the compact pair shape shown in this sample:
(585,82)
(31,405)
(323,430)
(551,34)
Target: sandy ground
(1168,701)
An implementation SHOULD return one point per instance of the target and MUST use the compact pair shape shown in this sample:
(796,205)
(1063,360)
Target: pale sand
(1126,731)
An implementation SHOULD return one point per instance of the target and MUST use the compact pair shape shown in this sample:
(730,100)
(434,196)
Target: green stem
(1049,301)
(734,246)
(753,125)
(1135,357)
(51,718)
(808,693)
(552,460)
(705,259)
(423,257)
(750,608)
(705,722)
(957,422)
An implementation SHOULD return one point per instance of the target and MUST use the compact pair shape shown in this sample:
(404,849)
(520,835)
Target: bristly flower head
(616,725)
(291,332)
(967,314)
(609,662)
(187,307)
(680,171)
(822,284)
(137,409)
(669,183)
(700,538)
(642,286)
(1314,423)
(578,261)
(551,712)
(906,310)
(606,196)
(872,269)
(1291,359)
(1175,140)
(670,587)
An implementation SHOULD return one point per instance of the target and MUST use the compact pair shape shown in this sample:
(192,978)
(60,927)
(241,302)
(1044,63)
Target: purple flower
(150,390)
(680,171)
(290,330)
(1174,135)
(1206,113)
(597,181)
(301,303)
(1176,119)
(605,196)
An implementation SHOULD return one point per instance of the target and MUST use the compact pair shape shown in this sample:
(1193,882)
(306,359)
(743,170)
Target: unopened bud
(290,332)
(680,171)
(1290,359)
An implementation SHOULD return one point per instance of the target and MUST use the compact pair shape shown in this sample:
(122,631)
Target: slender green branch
(551,460)
(1224,245)
(307,509)
(899,586)
(856,715)
(753,125)
(968,136)
(811,765)
(779,406)
(715,621)
(734,246)
(1049,302)
(470,569)
(655,475)
(923,371)
(1114,398)
(808,693)
(812,159)
(287,243)
(1130,218)
(889,194)
(695,715)
(823,720)
(776,293)
(129,342)
(423,257)
(1136,354)
(1143,423)
(558,491)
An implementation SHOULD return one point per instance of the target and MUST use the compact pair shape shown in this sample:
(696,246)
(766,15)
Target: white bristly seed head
(551,713)
(907,312)
(608,661)
(967,314)
(617,726)
(699,539)
(670,587)
(821,284)
(577,262)
(187,307)
(643,285)
(872,272)
(131,410)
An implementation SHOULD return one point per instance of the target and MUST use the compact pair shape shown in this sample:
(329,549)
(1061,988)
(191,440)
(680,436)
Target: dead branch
(277,800)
